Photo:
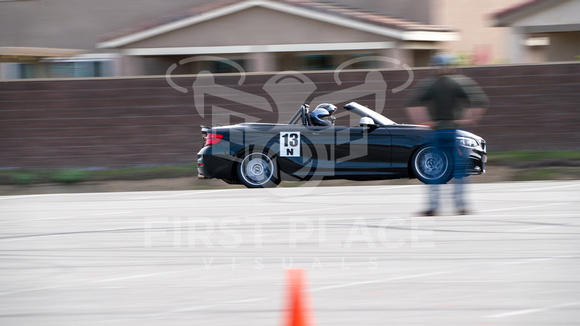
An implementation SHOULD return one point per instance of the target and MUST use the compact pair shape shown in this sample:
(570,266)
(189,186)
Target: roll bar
(300,116)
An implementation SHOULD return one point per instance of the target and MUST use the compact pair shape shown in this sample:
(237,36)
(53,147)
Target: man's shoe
(430,212)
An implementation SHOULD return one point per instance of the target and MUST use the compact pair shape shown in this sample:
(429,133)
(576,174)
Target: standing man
(447,95)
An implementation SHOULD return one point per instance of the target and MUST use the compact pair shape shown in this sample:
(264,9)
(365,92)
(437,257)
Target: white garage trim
(261,48)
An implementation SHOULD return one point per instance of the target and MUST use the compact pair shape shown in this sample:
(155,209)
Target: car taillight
(212,139)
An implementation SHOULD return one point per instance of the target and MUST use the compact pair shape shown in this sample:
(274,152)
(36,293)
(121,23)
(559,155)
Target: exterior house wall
(81,24)
(559,22)
(564,46)
(246,28)
(479,40)
(258,26)
(560,13)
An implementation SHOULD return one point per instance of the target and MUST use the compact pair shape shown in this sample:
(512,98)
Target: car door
(305,152)
(362,151)
(319,145)
(343,151)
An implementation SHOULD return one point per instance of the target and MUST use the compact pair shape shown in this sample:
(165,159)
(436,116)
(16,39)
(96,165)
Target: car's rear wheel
(431,165)
(257,169)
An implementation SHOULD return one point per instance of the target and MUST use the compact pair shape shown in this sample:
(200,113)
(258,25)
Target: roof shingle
(327,8)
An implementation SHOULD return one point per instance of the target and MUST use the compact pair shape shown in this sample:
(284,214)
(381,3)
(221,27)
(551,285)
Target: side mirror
(367,122)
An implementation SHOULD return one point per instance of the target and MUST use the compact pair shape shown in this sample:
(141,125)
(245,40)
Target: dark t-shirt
(446,97)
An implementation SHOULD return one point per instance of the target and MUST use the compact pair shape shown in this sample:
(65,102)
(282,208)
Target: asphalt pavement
(220,257)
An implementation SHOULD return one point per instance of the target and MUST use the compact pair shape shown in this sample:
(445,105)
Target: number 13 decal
(289,144)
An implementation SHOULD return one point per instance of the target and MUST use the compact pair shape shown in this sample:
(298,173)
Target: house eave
(242,49)
(22,54)
(509,17)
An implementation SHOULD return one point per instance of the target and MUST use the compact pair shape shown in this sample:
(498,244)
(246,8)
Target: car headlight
(467,142)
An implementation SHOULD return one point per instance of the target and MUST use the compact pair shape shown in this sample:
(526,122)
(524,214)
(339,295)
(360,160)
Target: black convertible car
(261,155)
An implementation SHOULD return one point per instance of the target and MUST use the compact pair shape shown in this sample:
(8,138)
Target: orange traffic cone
(298,311)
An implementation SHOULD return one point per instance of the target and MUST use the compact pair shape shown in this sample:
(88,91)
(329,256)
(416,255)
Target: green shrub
(69,176)
(22,178)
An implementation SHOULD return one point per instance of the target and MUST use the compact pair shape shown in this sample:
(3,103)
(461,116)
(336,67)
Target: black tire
(431,165)
(258,169)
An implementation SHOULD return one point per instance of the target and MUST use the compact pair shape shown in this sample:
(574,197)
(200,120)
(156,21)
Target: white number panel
(289,144)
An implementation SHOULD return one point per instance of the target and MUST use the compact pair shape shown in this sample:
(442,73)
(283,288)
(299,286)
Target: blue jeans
(445,140)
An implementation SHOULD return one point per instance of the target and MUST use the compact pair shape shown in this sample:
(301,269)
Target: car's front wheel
(431,165)
(257,169)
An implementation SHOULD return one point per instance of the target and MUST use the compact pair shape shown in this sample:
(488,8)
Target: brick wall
(117,123)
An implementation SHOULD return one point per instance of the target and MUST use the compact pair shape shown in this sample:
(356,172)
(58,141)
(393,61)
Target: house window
(318,62)
(64,69)
(219,67)
(365,61)
(329,62)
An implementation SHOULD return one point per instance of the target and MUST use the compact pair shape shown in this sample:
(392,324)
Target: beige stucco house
(86,38)
(266,35)
(542,30)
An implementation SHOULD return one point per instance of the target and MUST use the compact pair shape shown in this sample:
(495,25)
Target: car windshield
(363,111)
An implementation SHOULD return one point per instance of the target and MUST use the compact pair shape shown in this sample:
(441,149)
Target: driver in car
(322,115)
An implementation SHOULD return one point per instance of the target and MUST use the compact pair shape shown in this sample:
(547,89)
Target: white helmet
(324,116)
(328,107)
(319,117)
